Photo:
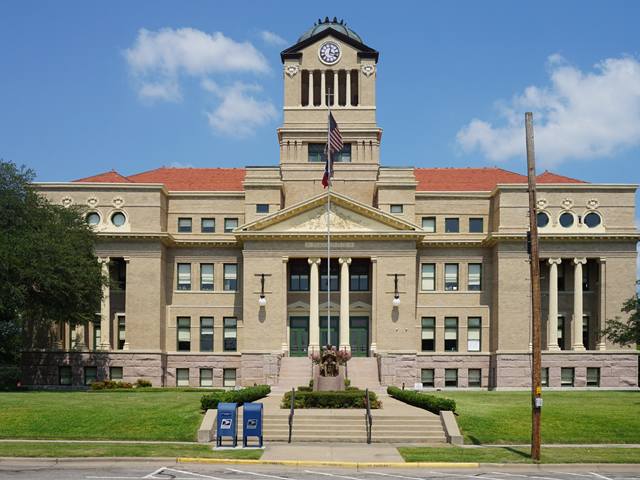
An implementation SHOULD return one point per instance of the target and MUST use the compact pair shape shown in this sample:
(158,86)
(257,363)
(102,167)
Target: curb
(296,463)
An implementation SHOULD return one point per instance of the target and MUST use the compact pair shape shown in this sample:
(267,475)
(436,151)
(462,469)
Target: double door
(359,336)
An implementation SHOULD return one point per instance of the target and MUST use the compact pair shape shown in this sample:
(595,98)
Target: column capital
(314,260)
(579,261)
(285,259)
(551,261)
(346,260)
(602,260)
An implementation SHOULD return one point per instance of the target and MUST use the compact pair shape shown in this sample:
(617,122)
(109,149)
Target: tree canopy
(48,270)
(625,333)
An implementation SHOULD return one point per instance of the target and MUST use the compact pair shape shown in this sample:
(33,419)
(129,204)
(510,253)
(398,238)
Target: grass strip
(521,454)
(58,449)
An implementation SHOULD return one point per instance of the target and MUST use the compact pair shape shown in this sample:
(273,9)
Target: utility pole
(534,257)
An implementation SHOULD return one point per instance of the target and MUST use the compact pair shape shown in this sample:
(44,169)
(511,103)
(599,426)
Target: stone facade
(195,250)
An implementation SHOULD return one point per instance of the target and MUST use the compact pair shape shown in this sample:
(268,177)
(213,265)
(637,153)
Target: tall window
(299,276)
(561,277)
(359,276)
(206,276)
(585,331)
(427,377)
(451,334)
(182,377)
(593,377)
(450,377)
(561,333)
(229,377)
(230,224)
(64,375)
(566,377)
(428,277)
(474,333)
(230,334)
(316,153)
(585,277)
(184,334)
(121,332)
(184,225)
(451,225)
(544,378)
(429,224)
(451,276)
(428,334)
(206,377)
(475,276)
(90,375)
(231,277)
(208,225)
(334,276)
(206,334)
(184,276)
(476,225)
(475,377)
(97,335)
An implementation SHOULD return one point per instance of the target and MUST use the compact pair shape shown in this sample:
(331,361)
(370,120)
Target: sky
(86,87)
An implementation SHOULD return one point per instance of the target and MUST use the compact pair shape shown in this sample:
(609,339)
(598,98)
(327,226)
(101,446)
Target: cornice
(494,238)
(566,186)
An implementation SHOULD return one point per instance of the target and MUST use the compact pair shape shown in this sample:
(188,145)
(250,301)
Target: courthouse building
(223,273)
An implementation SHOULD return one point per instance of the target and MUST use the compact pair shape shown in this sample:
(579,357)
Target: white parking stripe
(467,476)
(605,478)
(526,476)
(330,475)
(389,475)
(258,474)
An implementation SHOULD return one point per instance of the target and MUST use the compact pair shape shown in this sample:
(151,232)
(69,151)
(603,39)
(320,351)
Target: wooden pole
(536,386)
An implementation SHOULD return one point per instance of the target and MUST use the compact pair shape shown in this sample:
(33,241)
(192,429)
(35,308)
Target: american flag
(335,145)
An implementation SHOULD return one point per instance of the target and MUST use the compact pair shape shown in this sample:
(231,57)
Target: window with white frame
(475,277)
(230,277)
(474,333)
(428,277)
(206,276)
(451,276)
(184,276)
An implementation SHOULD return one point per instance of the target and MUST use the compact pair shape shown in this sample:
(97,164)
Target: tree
(48,270)
(625,333)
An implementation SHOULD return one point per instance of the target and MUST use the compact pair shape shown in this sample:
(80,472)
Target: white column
(105,311)
(310,88)
(80,343)
(602,311)
(552,343)
(577,303)
(314,306)
(323,88)
(348,102)
(345,344)
(373,324)
(335,89)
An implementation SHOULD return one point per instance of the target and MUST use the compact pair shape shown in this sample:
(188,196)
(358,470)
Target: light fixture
(396,297)
(262,301)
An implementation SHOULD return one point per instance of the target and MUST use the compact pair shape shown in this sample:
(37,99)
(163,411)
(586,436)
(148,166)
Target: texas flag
(335,145)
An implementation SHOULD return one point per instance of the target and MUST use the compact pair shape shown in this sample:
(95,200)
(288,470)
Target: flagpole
(329,218)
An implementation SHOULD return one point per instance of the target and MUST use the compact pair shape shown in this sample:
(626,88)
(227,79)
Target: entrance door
(299,336)
(335,329)
(359,336)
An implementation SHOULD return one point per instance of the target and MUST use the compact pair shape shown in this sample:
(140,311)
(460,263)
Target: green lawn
(571,417)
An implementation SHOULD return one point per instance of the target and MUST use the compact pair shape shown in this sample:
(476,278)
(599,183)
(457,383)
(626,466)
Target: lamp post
(262,301)
(396,296)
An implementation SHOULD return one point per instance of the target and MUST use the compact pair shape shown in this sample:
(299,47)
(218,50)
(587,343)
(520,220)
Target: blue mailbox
(251,422)
(227,425)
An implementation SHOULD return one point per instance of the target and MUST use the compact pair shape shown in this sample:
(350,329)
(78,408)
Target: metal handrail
(293,393)
(368,419)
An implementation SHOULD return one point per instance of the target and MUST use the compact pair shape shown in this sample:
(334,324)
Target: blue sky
(90,86)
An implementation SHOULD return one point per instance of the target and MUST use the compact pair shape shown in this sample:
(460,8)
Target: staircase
(363,373)
(294,372)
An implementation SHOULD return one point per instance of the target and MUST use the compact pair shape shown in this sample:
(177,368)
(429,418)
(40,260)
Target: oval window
(566,220)
(592,220)
(93,219)
(118,219)
(543,220)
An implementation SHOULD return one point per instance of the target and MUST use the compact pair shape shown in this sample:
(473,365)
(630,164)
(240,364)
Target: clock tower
(329,67)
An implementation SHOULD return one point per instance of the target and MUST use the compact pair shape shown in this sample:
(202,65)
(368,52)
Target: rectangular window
(474,334)
(476,225)
(97,335)
(230,224)
(184,334)
(566,377)
(229,377)
(230,334)
(208,225)
(184,276)
(230,277)
(475,377)
(593,377)
(206,377)
(359,276)
(299,276)
(428,277)
(561,277)
(182,377)
(451,334)
(90,375)
(429,224)
(428,334)
(334,276)
(561,333)
(585,331)
(451,276)
(206,276)
(64,375)
(184,225)
(475,277)
(450,377)
(585,277)
(451,225)
(427,377)
(396,208)
(121,332)
(115,374)
(206,334)
(544,377)
(262,208)
(316,153)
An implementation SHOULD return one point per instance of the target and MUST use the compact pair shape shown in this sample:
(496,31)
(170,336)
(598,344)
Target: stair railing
(293,393)
(368,420)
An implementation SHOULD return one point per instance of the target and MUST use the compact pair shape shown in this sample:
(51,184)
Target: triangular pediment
(347,217)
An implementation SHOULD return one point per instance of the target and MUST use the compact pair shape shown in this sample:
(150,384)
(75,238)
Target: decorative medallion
(118,202)
(67,201)
(592,203)
(93,201)
(291,70)
(368,69)
(567,204)
(542,203)
(338,220)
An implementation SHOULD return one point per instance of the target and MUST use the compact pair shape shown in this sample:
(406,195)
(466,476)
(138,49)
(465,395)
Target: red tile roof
(475,179)
(109,177)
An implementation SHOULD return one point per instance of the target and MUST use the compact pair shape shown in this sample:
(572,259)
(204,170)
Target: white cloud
(579,116)
(272,39)
(157,59)
(239,113)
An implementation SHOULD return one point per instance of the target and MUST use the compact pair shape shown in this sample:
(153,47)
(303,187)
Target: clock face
(329,53)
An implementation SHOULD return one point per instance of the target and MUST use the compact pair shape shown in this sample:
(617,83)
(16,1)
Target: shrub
(421,400)
(109,385)
(347,382)
(236,396)
(142,383)
(305,389)
(9,377)
(332,399)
